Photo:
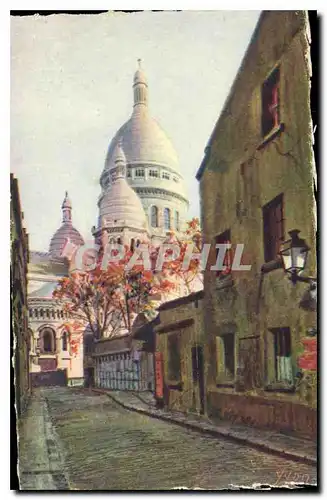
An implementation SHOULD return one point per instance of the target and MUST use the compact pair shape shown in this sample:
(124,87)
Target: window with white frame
(139,172)
(282,355)
(154,216)
(167,223)
(153,173)
(166,175)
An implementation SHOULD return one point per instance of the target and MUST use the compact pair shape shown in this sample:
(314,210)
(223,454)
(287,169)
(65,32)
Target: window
(139,172)
(154,216)
(226,357)
(129,173)
(229,355)
(119,241)
(273,228)
(132,245)
(153,173)
(176,179)
(174,358)
(165,175)
(270,103)
(282,355)
(138,242)
(222,239)
(167,218)
(48,340)
(176,220)
(64,341)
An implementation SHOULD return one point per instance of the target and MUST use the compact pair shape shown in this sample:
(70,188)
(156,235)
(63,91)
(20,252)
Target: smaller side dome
(66,232)
(120,205)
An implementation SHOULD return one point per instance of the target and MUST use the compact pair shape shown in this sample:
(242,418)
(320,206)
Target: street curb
(217,433)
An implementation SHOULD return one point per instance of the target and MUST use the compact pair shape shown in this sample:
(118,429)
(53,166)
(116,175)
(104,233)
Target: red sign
(159,375)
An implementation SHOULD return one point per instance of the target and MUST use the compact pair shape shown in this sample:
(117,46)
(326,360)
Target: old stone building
(19,256)
(180,340)
(256,185)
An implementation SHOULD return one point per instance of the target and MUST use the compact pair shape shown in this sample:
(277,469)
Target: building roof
(192,297)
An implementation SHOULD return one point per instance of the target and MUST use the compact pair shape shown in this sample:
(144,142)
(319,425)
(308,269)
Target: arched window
(48,340)
(132,244)
(41,313)
(119,241)
(48,313)
(64,341)
(176,220)
(167,218)
(154,216)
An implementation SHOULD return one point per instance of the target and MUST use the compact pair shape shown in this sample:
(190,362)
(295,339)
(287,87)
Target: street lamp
(294,255)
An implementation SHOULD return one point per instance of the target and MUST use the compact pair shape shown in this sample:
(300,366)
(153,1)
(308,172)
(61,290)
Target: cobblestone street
(106,447)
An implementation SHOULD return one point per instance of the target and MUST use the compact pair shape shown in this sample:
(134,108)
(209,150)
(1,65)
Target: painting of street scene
(163,246)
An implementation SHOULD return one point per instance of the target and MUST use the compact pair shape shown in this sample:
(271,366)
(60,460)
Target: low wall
(264,413)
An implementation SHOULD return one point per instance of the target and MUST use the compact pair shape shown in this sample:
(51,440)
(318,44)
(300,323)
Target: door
(198,373)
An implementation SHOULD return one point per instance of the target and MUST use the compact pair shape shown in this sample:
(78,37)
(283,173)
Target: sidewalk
(271,441)
(40,465)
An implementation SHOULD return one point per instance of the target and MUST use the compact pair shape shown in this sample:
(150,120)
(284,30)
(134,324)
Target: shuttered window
(270,103)
(273,228)
(282,355)
(224,238)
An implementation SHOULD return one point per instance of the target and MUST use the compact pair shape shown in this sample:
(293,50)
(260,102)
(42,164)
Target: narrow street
(106,447)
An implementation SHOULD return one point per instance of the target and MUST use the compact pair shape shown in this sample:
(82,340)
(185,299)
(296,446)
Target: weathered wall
(184,395)
(18,270)
(256,302)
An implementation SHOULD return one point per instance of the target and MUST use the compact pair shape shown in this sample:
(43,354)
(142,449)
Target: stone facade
(178,334)
(257,166)
(18,270)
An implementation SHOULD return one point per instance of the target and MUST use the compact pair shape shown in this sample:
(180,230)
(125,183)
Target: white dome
(120,206)
(144,142)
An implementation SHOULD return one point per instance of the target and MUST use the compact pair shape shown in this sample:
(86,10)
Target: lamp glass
(299,257)
(287,259)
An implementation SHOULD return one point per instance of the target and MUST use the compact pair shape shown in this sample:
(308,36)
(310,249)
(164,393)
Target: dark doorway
(198,372)
(89,377)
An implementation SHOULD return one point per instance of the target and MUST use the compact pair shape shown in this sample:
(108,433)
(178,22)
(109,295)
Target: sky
(71,90)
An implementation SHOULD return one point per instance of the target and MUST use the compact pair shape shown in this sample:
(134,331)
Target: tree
(191,239)
(107,300)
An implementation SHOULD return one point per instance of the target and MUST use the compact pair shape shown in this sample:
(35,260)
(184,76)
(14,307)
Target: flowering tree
(108,299)
(185,270)
(109,296)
